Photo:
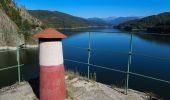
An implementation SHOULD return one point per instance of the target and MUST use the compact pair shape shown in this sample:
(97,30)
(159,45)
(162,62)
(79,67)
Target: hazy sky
(100,8)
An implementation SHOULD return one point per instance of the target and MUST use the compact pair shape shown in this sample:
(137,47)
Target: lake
(110,49)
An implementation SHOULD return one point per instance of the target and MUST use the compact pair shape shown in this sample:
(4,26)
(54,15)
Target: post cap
(50,33)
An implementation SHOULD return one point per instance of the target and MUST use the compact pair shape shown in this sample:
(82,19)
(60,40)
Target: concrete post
(52,82)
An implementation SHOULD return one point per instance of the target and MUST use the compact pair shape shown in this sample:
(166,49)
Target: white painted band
(51,53)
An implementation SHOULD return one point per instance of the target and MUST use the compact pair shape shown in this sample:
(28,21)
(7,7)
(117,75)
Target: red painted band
(52,83)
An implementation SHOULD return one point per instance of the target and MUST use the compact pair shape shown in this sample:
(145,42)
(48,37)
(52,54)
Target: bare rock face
(8,31)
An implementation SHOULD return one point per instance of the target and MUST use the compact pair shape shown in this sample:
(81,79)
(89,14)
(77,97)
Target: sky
(100,8)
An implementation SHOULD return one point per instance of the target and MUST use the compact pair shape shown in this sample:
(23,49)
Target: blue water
(111,51)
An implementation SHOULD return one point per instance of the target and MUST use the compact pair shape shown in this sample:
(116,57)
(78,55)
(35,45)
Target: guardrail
(130,54)
(18,65)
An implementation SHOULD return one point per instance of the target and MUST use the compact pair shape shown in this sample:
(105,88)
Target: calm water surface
(107,45)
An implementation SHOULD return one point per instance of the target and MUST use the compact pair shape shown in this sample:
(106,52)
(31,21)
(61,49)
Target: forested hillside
(58,19)
(155,23)
(62,20)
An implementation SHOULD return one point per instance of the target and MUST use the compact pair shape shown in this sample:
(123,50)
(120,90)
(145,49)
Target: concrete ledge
(79,88)
(21,91)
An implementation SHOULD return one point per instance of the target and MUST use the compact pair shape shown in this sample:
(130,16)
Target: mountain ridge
(58,19)
(153,23)
(63,20)
(112,21)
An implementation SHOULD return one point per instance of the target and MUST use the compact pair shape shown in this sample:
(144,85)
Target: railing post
(129,63)
(17,56)
(89,52)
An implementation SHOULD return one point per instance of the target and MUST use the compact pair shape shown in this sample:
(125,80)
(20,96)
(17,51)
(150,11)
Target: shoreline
(142,30)
(14,48)
(81,27)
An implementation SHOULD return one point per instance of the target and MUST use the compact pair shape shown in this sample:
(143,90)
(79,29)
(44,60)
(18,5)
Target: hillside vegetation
(18,15)
(155,23)
(15,20)
(58,19)
(62,20)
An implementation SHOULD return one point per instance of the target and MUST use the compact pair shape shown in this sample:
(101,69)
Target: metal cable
(132,73)
(10,67)
(149,77)
(96,66)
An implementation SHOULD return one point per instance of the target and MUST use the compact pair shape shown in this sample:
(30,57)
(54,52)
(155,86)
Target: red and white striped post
(52,82)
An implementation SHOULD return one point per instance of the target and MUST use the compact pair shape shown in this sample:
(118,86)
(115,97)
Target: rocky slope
(8,31)
(13,21)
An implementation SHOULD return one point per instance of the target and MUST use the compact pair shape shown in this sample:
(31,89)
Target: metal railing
(130,54)
(128,72)
(18,65)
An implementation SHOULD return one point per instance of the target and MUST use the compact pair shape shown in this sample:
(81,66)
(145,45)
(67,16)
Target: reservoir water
(111,49)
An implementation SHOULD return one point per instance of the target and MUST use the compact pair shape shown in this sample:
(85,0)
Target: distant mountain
(58,19)
(119,20)
(112,21)
(63,20)
(109,18)
(97,21)
(155,23)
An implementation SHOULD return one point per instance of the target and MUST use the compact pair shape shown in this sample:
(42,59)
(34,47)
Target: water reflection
(157,38)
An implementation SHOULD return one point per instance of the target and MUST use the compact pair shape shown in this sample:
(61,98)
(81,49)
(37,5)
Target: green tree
(25,30)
